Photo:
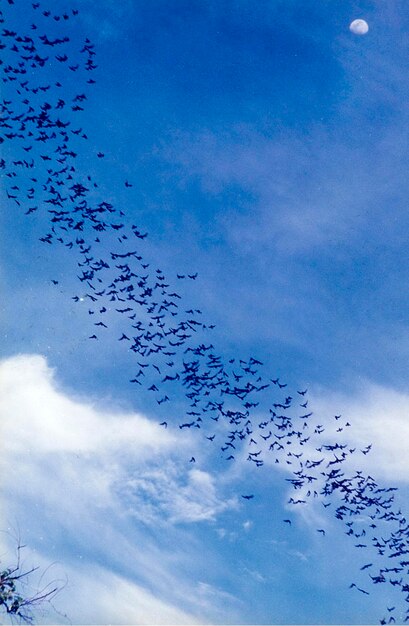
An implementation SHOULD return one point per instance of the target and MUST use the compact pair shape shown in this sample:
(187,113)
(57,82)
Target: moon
(359,27)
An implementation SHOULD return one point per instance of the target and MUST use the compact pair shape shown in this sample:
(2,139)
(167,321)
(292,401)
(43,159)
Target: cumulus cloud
(35,411)
(84,484)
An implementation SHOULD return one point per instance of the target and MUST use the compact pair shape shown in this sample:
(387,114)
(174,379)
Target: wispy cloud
(111,18)
(269,169)
(378,416)
(89,484)
(166,493)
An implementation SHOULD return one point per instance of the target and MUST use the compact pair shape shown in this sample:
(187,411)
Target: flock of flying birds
(229,400)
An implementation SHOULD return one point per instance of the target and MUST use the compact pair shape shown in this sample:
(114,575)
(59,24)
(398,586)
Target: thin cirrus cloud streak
(103,476)
(273,170)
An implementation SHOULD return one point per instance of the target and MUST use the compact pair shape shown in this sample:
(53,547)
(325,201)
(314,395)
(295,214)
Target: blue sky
(266,147)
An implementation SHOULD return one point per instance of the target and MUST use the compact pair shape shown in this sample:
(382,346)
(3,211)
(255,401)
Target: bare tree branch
(14,599)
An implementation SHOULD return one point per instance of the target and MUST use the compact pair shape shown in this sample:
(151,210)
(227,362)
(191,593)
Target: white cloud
(208,595)
(378,416)
(101,491)
(153,495)
(298,555)
(108,597)
(34,410)
(255,575)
